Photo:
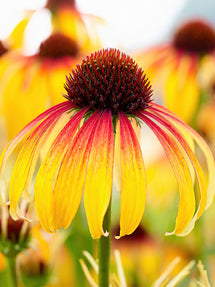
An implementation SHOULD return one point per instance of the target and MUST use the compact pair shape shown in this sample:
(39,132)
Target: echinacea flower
(36,80)
(79,144)
(174,66)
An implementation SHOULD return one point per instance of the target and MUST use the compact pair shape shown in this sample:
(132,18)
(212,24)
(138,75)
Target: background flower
(173,67)
(30,84)
(64,18)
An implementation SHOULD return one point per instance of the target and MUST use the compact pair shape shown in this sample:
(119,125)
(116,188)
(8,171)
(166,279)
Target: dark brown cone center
(195,36)
(57,46)
(3,48)
(13,229)
(109,79)
(54,4)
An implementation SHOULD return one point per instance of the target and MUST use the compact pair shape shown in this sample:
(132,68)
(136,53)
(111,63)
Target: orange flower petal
(22,134)
(27,158)
(47,173)
(173,125)
(68,189)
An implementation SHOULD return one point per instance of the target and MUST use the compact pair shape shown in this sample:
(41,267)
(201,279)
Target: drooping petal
(177,158)
(133,192)
(28,156)
(98,185)
(23,133)
(48,171)
(201,180)
(68,188)
(182,92)
(170,123)
(201,144)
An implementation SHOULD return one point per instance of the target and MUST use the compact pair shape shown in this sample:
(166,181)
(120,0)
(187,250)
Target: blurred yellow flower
(73,144)
(37,81)
(206,121)
(145,257)
(174,66)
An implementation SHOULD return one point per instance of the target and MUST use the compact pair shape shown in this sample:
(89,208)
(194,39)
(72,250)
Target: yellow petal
(27,159)
(29,86)
(206,189)
(55,72)
(182,92)
(69,21)
(133,193)
(98,184)
(16,38)
(47,173)
(69,185)
(179,161)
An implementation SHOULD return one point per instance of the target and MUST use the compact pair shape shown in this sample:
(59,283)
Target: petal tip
(106,233)
(117,237)
(169,233)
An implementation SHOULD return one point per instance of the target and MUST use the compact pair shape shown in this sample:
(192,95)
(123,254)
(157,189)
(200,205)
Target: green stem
(104,248)
(11,266)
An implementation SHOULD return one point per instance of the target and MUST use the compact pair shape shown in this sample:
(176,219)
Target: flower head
(109,80)
(80,143)
(173,67)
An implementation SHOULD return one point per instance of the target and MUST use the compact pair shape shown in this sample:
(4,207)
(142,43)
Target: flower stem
(104,248)
(11,266)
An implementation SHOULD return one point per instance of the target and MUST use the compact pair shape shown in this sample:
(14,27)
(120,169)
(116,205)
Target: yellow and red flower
(174,66)
(77,143)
